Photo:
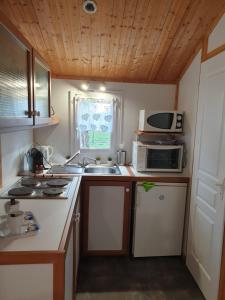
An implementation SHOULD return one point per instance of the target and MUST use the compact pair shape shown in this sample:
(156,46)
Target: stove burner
(52,192)
(29,182)
(57,182)
(21,191)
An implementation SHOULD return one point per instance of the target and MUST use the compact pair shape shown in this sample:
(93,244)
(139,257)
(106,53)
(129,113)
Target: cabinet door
(72,255)
(159,220)
(41,90)
(106,221)
(76,242)
(69,268)
(15,80)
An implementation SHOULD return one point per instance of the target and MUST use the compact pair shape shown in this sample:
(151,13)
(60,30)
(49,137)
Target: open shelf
(53,122)
(152,133)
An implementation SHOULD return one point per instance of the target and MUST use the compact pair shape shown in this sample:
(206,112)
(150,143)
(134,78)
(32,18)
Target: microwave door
(161,121)
(167,159)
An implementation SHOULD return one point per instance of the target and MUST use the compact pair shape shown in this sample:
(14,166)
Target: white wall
(136,97)
(13,147)
(217,37)
(188,102)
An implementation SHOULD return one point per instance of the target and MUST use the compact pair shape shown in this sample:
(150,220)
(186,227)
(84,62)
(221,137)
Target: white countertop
(51,215)
(155,174)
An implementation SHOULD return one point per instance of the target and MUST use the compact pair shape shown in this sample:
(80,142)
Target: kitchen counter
(128,173)
(51,215)
(158,177)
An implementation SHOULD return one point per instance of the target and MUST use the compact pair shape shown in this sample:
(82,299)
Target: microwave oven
(157,157)
(161,121)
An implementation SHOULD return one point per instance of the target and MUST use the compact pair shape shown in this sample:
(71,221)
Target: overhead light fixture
(89,6)
(102,87)
(85,86)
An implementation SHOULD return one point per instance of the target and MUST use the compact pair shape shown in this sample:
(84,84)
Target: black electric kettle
(35,160)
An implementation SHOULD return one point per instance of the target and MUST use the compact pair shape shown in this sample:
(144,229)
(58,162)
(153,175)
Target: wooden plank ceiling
(126,40)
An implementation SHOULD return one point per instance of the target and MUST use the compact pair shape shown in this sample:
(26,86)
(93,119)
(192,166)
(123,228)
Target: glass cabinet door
(41,91)
(15,88)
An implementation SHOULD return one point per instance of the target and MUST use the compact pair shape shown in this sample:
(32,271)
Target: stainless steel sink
(76,169)
(102,170)
(68,169)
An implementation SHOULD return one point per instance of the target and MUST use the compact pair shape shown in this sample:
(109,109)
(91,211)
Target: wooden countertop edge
(30,257)
(130,177)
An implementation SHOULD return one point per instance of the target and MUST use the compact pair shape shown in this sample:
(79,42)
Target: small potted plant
(98,160)
(109,161)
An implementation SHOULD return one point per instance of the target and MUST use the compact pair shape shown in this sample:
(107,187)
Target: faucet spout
(72,158)
(85,161)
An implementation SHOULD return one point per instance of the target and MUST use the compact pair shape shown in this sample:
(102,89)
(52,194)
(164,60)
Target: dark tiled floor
(162,278)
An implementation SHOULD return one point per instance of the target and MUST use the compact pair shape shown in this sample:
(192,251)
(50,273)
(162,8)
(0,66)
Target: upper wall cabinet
(25,81)
(15,81)
(41,90)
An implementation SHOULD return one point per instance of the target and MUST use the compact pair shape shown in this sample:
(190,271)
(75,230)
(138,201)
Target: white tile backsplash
(13,147)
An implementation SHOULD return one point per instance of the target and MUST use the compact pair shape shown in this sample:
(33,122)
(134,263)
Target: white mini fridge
(159,219)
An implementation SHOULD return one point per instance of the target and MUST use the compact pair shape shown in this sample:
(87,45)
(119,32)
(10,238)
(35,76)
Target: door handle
(221,184)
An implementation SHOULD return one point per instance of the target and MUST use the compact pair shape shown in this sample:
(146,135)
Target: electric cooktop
(38,188)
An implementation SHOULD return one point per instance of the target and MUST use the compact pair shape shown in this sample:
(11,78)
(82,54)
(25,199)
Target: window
(96,122)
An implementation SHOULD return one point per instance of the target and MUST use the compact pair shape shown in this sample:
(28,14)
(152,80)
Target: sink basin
(102,170)
(69,169)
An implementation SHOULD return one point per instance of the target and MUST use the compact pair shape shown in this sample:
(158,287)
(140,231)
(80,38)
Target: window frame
(116,131)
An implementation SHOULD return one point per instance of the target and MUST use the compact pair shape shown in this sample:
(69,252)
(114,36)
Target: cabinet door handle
(28,113)
(127,190)
(77,217)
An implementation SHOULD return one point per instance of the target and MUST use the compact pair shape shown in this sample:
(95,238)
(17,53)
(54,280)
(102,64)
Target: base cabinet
(73,256)
(106,222)
(47,275)
(26,282)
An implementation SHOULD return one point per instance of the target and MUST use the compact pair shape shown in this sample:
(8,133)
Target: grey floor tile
(123,278)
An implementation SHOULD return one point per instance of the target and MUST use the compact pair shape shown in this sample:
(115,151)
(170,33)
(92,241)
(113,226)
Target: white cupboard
(106,222)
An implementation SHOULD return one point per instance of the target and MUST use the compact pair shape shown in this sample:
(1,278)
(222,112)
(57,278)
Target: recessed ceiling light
(84,86)
(102,87)
(89,6)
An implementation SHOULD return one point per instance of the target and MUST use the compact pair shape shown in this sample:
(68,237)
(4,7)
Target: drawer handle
(161,197)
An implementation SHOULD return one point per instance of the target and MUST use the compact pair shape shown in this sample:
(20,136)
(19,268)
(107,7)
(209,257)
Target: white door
(207,198)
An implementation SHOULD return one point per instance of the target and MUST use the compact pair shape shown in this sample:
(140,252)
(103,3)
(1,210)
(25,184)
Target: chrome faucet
(84,161)
(72,158)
